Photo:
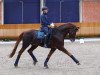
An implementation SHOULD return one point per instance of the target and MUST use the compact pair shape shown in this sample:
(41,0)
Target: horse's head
(70,29)
(72,33)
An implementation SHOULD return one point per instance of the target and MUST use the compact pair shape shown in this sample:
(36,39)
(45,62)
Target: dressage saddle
(42,38)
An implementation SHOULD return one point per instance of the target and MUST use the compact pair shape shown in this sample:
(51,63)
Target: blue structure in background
(21,11)
(28,11)
(63,10)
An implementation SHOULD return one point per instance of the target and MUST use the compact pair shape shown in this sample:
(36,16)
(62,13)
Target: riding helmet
(44,8)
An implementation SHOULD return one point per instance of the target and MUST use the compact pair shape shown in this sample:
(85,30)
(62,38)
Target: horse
(56,42)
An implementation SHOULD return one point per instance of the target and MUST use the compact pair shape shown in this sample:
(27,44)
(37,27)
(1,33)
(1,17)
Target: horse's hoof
(78,63)
(46,66)
(35,62)
(15,65)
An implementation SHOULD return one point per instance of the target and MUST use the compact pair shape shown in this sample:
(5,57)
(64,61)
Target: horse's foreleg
(69,54)
(48,57)
(31,54)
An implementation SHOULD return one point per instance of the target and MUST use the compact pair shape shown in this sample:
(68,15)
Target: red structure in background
(91,11)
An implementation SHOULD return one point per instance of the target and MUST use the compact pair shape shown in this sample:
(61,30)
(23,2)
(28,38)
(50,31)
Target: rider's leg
(46,36)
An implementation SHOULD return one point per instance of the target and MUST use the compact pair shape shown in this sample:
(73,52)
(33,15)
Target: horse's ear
(77,28)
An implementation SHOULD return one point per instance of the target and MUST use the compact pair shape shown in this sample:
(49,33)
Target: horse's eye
(77,28)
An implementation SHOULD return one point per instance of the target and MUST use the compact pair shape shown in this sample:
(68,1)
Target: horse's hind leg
(32,55)
(69,54)
(24,46)
(48,57)
(18,57)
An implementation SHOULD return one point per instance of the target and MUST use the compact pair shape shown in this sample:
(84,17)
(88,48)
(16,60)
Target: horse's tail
(16,45)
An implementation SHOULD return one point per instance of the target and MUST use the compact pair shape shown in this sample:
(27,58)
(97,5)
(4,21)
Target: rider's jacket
(44,20)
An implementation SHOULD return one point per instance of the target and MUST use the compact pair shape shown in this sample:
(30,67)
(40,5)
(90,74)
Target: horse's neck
(64,30)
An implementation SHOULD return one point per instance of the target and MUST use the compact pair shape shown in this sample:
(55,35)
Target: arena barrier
(13,30)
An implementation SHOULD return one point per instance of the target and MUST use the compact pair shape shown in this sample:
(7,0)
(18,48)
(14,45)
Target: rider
(45,23)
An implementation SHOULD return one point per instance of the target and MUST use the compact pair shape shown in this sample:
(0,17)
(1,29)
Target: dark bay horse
(56,42)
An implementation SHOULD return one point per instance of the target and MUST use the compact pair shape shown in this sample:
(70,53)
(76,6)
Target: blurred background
(17,16)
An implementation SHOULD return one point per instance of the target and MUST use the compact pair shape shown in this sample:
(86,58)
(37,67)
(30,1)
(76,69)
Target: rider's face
(45,11)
